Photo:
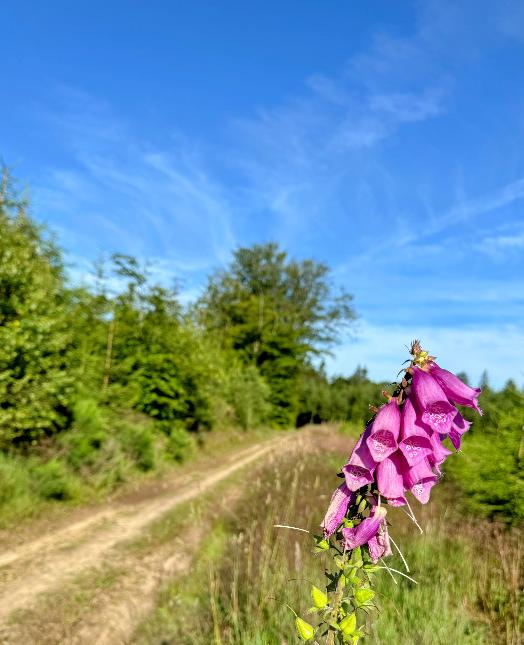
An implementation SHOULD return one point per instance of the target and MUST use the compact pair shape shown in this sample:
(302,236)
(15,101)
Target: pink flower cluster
(401,450)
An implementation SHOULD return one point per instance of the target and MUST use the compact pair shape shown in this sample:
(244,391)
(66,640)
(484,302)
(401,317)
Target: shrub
(82,444)
(52,481)
(179,444)
(170,390)
(16,496)
(248,393)
(138,442)
(489,471)
(35,383)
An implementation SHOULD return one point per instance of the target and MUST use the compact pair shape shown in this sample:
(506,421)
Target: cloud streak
(145,200)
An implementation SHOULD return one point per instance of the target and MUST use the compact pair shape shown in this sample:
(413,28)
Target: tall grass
(249,570)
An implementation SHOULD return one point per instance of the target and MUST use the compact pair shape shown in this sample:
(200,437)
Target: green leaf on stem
(305,631)
(371,568)
(364,596)
(348,624)
(320,599)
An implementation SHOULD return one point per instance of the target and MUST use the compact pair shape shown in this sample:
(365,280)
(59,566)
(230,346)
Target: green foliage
(83,443)
(275,313)
(249,396)
(138,442)
(341,399)
(16,494)
(52,481)
(35,387)
(168,391)
(489,469)
(179,444)
(74,356)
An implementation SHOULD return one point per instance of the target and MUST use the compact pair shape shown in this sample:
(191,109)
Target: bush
(35,383)
(180,445)
(16,497)
(170,390)
(249,396)
(82,444)
(138,442)
(489,470)
(53,481)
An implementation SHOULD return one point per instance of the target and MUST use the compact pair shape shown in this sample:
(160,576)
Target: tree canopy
(277,314)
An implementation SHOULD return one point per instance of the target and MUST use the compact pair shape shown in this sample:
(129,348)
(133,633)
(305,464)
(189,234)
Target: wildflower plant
(399,452)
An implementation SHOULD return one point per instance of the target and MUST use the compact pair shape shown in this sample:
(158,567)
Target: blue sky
(383,138)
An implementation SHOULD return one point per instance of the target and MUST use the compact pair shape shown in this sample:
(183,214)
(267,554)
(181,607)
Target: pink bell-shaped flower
(389,479)
(439,452)
(430,400)
(459,427)
(368,528)
(338,506)
(455,389)
(419,479)
(415,443)
(385,430)
(361,465)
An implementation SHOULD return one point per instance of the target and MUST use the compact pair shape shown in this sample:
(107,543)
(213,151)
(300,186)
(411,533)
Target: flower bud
(322,544)
(320,599)
(304,630)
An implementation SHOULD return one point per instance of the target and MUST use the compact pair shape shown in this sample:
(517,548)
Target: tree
(277,313)
(35,386)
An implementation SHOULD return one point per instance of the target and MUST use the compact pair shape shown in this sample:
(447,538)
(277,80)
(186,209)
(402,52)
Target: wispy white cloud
(497,245)
(414,239)
(130,195)
(305,158)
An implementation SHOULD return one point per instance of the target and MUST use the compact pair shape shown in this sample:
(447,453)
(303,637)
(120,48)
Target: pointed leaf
(363,596)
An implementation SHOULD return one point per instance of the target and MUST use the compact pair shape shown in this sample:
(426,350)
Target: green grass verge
(91,464)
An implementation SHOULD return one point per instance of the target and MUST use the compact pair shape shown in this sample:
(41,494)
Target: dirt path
(54,560)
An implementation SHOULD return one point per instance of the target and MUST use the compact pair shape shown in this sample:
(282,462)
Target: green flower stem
(337,600)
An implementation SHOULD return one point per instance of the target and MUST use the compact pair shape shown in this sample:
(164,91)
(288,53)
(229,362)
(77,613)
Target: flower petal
(422,490)
(378,545)
(381,444)
(419,480)
(389,477)
(357,476)
(459,427)
(455,389)
(359,535)
(338,507)
(415,444)
(388,418)
(435,409)
(361,455)
(439,453)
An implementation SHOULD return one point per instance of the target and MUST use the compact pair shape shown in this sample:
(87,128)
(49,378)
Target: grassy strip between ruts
(247,570)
